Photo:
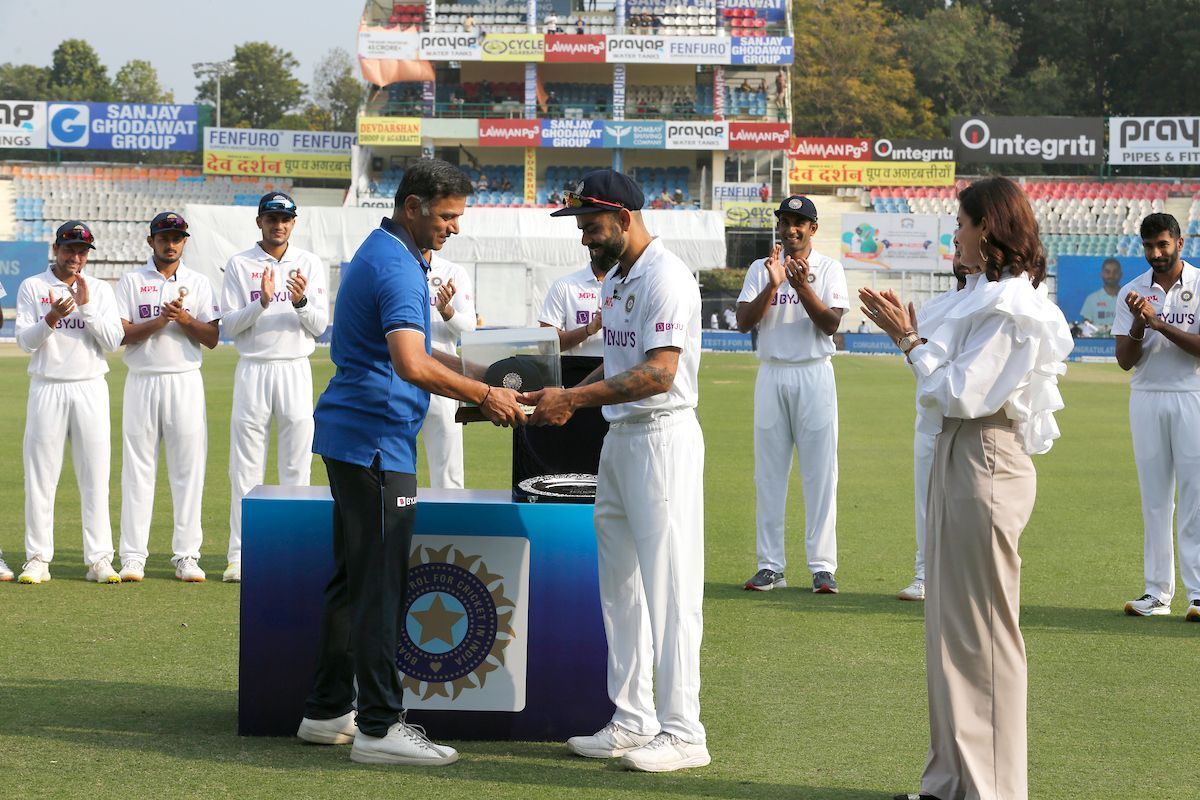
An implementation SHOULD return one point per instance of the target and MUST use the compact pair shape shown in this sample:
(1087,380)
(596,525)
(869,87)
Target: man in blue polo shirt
(366,432)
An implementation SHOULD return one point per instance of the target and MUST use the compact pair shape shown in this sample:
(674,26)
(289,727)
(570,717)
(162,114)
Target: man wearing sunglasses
(168,313)
(650,486)
(274,305)
(68,323)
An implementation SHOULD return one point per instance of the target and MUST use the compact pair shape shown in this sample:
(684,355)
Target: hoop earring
(982,242)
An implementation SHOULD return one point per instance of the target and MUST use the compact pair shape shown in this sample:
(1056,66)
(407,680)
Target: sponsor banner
(1154,140)
(759,135)
(531,91)
(696,50)
(913,150)
(1082,291)
(464,641)
(770,10)
(749,215)
(718,93)
(510,132)
(870,173)
(284,165)
(450,47)
(576,49)
(726,193)
(649,135)
(635,49)
(762,50)
(1027,140)
(389,44)
(618,109)
(396,131)
(514,47)
(572,133)
(254,140)
(699,135)
(122,126)
(530,175)
(892,241)
(21,260)
(818,148)
(22,124)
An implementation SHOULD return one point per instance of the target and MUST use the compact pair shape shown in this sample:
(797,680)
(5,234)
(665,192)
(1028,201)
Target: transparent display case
(522,359)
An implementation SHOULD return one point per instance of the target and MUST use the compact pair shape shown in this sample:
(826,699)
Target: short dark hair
(431,179)
(1159,222)
(1013,244)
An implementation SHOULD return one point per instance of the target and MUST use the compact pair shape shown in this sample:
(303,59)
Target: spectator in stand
(555,198)
(579,26)
(552,104)
(485,92)
(745,87)
(552,23)
(506,185)
(664,199)
(764,192)
(493,185)
(456,104)
(678,198)
(591,5)
(780,85)
(481,185)
(862,327)
(468,25)
(655,23)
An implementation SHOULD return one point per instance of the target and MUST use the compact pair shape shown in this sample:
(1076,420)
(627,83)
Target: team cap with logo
(168,221)
(798,204)
(601,190)
(276,203)
(75,231)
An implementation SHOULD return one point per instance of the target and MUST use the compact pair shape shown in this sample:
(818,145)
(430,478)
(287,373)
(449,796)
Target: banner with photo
(394,131)
(1088,287)
(1154,140)
(870,173)
(23,124)
(891,241)
(292,154)
(122,126)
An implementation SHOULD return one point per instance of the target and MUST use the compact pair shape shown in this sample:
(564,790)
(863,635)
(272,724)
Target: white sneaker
(914,591)
(186,569)
(102,572)
(403,744)
(609,742)
(1147,606)
(133,569)
(6,574)
(35,571)
(233,572)
(339,730)
(666,753)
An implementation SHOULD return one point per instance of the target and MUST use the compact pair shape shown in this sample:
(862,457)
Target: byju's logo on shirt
(662,327)
(620,338)
(582,318)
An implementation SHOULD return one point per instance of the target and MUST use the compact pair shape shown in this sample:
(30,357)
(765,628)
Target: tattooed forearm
(644,380)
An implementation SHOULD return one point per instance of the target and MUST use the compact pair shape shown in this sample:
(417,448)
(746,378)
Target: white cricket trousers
(443,443)
(263,390)
(58,412)
(650,539)
(167,408)
(1166,449)
(924,445)
(795,407)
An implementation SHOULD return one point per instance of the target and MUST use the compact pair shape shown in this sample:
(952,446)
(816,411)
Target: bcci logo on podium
(465,629)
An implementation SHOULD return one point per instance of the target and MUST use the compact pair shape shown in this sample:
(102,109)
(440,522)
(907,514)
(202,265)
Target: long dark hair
(1012,244)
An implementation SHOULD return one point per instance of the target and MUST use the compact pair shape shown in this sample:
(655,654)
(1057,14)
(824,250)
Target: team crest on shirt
(629,304)
(812,278)
(1186,296)
(435,281)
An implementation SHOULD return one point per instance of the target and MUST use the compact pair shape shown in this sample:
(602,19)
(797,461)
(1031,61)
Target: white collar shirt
(929,318)
(280,332)
(1164,367)
(446,333)
(141,295)
(74,349)
(656,305)
(786,333)
(569,305)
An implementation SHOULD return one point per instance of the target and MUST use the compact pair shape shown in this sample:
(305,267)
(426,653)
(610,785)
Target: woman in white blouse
(991,369)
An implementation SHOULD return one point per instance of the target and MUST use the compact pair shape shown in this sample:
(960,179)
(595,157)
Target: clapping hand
(886,311)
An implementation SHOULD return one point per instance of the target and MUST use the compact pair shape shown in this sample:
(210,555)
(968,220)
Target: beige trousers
(981,495)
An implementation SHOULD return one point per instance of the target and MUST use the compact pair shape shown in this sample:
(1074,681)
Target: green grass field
(132,689)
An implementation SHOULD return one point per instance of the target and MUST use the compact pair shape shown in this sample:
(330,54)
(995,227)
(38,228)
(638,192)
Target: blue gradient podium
(503,614)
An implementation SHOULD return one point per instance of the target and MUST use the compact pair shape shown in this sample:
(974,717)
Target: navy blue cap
(798,204)
(74,231)
(276,203)
(168,221)
(601,190)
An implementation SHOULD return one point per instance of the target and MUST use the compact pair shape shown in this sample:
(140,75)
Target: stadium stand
(665,18)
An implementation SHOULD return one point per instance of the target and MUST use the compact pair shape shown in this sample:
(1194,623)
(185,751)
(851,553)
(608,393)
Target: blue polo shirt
(368,412)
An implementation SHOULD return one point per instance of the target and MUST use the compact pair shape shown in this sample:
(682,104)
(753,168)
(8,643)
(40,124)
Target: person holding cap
(168,312)
(650,486)
(68,323)
(274,305)
(797,297)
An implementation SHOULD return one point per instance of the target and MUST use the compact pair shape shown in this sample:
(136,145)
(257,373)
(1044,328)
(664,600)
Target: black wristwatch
(303,302)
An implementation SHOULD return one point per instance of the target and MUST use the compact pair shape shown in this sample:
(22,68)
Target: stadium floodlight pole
(214,69)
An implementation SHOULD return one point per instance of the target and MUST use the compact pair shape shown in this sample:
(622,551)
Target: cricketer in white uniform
(650,490)
(573,307)
(6,573)
(453,302)
(1157,328)
(274,305)
(68,323)
(797,297)
(1100,307)
(167,311)
(929,422)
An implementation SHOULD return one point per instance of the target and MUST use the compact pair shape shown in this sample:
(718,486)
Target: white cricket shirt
(569,305)
(786,332)
(929,318)
(656,305)
(278,332)
(141,294)
(445,334)
(74,349)
(1163,366)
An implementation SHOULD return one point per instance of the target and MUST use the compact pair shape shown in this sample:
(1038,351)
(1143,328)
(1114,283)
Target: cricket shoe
(1193,612)
(35,571)
(188,571)
(1147,606)
(102,572)
(823,583)
(339,730)
(765,580)
(233,572)
(6,574)
(133,570)
(609,742)
(403,744)
(914,591)
(666,753)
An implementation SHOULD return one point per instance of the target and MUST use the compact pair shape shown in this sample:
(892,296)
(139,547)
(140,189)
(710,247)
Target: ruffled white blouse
(1002,346)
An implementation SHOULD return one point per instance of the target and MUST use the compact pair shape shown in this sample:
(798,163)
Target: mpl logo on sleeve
(697,136)
(1154,140)
(22,124)
(575,48)
(636,49)
(450,47)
